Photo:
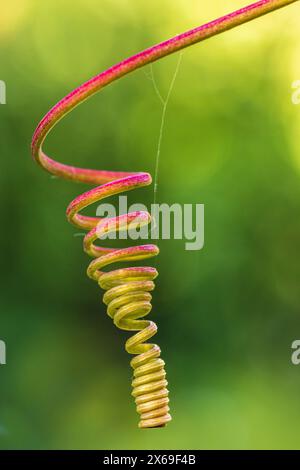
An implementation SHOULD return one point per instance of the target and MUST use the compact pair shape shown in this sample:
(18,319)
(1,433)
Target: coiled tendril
(127,296)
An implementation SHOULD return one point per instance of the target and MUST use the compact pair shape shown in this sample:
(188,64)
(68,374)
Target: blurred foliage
(227,315)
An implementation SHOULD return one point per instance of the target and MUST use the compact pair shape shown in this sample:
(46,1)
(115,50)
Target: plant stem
(135,62)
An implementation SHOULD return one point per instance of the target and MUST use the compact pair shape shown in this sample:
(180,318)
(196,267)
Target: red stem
(152,54)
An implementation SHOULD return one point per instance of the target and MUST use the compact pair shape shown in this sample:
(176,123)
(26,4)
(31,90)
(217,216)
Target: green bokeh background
(227,314)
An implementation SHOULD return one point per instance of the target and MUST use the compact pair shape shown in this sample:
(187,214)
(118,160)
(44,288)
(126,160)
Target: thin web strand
(162,123)
(152,78)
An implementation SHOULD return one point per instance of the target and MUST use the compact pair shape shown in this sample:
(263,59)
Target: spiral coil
(127,296)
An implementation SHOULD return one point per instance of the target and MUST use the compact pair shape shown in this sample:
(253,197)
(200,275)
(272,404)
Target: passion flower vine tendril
(127,295)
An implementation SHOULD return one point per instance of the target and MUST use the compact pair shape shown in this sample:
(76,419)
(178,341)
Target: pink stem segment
(152,54)
(127,296)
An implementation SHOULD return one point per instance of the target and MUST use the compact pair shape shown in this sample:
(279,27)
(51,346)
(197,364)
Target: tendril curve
(127,295)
